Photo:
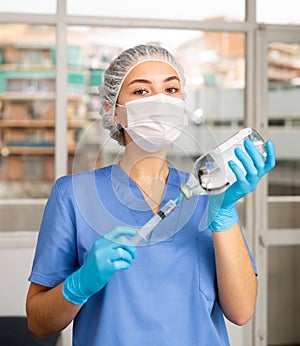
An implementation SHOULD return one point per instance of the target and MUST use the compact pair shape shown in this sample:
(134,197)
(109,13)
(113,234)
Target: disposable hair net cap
(116,73)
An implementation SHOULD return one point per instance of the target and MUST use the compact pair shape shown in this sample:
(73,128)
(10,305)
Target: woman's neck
(149,171)
(149,167)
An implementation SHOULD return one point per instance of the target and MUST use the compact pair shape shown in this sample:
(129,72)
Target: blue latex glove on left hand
(222,211)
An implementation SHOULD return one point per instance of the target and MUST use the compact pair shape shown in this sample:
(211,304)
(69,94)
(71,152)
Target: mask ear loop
(119,125)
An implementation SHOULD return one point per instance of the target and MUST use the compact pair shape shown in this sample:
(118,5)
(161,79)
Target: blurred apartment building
(27,111)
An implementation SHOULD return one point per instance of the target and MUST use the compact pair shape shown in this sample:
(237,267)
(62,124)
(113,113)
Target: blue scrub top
(167,297)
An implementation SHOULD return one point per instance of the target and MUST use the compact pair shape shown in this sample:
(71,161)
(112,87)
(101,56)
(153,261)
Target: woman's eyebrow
(171,78)
(141,80)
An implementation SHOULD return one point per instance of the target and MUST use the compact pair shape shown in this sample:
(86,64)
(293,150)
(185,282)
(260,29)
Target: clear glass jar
(211,173)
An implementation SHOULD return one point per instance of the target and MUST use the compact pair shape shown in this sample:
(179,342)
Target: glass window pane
(278,12)
(28,6)
(27,110)
(283,295)
(284,215)
(21,215)
(215,72)
(284,116)
(231,10)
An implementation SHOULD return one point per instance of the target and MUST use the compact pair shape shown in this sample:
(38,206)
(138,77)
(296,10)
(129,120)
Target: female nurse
(173,288)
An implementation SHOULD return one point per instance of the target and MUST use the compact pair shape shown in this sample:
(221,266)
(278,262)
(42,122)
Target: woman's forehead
(151,69)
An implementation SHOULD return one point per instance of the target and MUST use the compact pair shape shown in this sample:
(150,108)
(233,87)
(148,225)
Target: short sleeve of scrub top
(55,257)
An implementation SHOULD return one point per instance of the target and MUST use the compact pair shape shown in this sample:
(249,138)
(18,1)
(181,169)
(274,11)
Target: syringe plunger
(153,222)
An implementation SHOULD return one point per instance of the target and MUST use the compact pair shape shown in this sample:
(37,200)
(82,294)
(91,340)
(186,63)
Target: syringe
(165,210)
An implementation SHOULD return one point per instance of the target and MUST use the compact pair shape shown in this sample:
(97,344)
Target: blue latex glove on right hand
(109,254)
(222,211)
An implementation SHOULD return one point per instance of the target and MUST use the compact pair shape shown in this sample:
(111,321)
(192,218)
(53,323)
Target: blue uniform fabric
(167,297)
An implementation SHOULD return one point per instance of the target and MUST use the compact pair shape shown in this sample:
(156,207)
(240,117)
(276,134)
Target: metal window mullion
(27,18)
(249,111)
(284,199)
(261,206)
(61,151)
(261,256)
(117,22)
(283,236)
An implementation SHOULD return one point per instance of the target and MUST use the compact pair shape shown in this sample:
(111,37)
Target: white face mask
(155,122)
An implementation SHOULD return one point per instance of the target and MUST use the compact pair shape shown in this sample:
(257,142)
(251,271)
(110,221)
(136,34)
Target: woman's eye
(172,90)
(140,92)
